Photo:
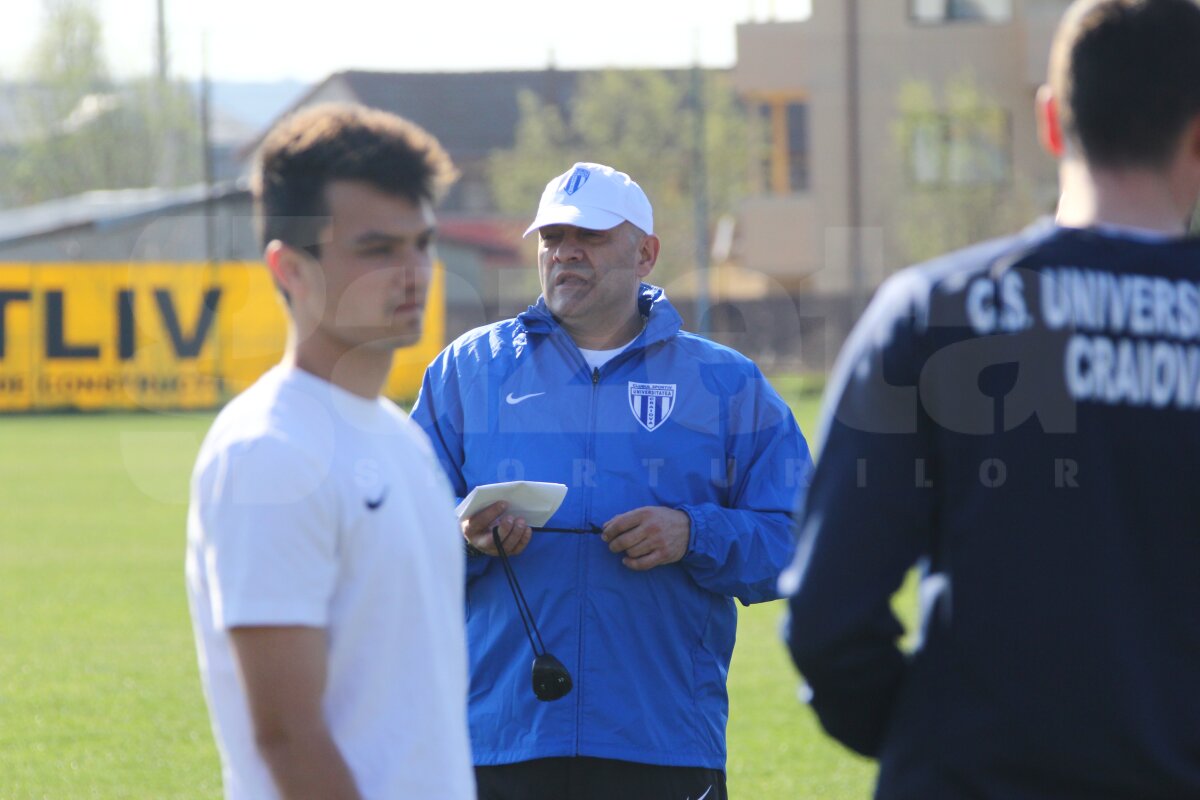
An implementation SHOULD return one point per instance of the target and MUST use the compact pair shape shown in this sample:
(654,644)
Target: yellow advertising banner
(93,336)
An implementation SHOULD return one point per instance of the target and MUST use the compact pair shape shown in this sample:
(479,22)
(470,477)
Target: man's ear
(1048,125)
(284,263)
(1189,154)
(1191,137)
(647,254)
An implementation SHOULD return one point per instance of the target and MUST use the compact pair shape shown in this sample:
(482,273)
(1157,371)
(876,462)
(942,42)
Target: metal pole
(166,167)
(854,159)
(206,161)
(210,211)
(700,199)
(161,42)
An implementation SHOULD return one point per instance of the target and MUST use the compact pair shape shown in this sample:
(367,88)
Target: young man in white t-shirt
(324,563)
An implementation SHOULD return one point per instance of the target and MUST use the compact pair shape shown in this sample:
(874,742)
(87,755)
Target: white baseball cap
(593,196)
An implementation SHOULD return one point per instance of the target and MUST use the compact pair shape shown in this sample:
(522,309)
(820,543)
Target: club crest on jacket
(651,403)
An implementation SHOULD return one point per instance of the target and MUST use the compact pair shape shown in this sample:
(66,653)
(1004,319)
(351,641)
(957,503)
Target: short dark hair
(1127,77)
(315,146)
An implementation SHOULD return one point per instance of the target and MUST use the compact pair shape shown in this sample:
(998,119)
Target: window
(763,151)
(933,12)
(797,147)
(781,131)
(959,150)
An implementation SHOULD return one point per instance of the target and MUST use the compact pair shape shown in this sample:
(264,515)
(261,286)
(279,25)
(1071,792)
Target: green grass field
(99,694)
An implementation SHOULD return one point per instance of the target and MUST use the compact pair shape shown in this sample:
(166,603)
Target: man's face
(376,260)
(590,278)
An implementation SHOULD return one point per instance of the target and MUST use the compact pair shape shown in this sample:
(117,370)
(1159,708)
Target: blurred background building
(885,146)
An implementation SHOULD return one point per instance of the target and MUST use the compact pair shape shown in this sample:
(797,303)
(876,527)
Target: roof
(493,237)
(117,207)
(108,207)
(471,113)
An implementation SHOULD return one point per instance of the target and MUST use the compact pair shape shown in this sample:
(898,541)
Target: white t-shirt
(598,358)
(312,506)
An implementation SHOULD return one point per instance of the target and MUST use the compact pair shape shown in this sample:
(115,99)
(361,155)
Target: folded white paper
(533,500)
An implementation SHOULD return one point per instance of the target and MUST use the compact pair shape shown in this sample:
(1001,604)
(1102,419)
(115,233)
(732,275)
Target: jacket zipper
(584,542)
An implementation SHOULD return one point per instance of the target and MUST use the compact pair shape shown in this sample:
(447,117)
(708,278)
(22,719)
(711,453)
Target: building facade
(892,129)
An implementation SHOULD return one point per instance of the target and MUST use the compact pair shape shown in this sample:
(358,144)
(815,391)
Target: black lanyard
(551,680)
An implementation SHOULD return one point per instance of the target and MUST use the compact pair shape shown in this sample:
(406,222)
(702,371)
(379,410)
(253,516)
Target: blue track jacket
(675,420)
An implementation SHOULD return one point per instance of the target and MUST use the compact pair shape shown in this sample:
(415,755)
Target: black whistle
(551,680)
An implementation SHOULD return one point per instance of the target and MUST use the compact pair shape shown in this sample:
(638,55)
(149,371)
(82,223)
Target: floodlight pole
(206,160)
(161,41)
(166,167)
(858,279)
(700,198)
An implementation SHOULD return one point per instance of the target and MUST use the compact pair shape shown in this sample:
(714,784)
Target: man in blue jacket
(1022,417)
(675,448)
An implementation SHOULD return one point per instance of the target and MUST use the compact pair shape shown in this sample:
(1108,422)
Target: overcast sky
(266,40)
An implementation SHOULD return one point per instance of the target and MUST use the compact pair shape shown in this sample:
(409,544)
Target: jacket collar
(663,321)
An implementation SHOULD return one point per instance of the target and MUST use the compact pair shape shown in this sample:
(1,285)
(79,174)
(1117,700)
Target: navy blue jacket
(1023,418)
(649,651)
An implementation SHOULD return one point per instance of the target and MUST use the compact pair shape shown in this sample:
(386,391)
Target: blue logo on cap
(575,181)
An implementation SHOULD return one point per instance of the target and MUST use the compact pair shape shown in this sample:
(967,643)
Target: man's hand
(514,533)
(648,536)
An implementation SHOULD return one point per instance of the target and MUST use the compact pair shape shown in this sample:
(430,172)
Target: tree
(87,131)
(640,122)
(69,51)
(956,155)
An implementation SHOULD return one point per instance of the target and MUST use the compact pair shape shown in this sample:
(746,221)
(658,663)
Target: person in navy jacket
(1021,418)
(675,451)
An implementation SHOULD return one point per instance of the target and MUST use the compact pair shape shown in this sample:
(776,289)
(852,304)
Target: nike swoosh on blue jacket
(649,651)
